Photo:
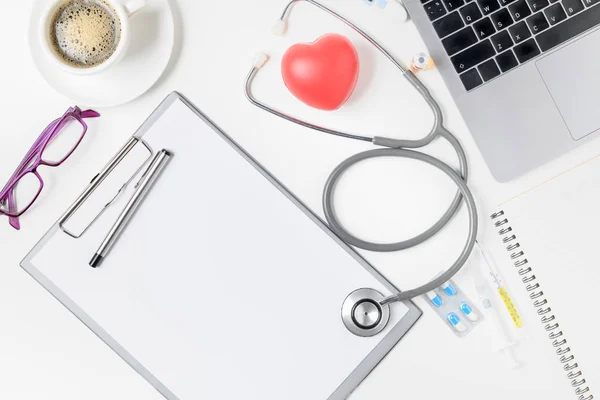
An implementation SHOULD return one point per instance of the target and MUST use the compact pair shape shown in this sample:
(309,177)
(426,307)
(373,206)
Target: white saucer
(152,41)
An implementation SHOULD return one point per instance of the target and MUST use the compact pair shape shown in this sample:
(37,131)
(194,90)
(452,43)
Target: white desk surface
(46,353)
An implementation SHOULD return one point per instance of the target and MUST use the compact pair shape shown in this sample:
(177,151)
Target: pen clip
(155,159)
(142,177)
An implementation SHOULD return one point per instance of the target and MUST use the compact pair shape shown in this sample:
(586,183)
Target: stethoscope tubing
(463,192)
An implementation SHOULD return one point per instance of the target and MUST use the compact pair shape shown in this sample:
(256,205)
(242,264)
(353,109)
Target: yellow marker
(506,299)
(510,306)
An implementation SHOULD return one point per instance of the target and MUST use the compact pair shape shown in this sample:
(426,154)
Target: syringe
(502,291)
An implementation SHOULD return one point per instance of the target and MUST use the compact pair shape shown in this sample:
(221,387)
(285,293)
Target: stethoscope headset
(365,312)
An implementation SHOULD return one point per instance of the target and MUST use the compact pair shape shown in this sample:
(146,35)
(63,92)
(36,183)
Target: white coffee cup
(124,9)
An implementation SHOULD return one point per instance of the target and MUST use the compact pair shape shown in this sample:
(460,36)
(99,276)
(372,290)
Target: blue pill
(453,318)
(449,289)
(456,322)
(435,299)
(468,311)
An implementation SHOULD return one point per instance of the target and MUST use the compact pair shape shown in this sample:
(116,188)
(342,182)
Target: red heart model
(322,74)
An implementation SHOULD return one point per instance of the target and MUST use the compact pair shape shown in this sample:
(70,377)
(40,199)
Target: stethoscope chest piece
(362,313)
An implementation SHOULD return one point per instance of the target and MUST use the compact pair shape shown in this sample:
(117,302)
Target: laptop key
(484,28)
(502,41)
(519,32)
(459,41)
(506,2)
(502,19)
(537,23)
(519,10)
(590,3)
(569,28)
(470,13)
(473,56)
(507,61)
(489,70)
(448,24)
(555,14)
(537,5)
(452,5)
(435,9)
(572,7)
(471,79)
(488,6)
(527,50)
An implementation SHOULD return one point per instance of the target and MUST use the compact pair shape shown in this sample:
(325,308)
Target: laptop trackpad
(572,76)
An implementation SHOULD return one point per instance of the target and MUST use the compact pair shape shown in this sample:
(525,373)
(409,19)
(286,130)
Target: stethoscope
(365,311)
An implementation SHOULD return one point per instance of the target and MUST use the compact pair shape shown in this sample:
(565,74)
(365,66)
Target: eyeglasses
(56,143)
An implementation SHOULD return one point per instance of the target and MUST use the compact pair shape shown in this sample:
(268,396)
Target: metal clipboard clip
(97,181)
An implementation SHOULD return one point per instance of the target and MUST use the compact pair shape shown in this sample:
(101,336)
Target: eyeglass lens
(64,142)
(24,193)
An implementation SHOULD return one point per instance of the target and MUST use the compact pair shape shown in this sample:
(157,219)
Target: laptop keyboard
(486,38)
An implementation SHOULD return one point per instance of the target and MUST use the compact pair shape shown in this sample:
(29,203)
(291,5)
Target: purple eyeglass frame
(33,159)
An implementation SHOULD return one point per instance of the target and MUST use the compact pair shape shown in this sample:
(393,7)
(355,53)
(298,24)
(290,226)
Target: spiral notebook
(549,237)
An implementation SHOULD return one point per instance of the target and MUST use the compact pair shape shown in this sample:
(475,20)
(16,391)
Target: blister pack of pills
(454,308)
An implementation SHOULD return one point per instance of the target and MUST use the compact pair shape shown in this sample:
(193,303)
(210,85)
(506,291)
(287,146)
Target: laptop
(525,74)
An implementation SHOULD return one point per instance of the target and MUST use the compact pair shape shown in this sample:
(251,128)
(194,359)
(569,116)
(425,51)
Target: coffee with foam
(85,33)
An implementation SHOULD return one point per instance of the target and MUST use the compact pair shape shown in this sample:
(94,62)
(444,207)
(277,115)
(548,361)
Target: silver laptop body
(538,109)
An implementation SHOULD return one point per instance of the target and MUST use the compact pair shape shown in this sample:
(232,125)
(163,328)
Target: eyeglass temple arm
(12,207)
(90,114)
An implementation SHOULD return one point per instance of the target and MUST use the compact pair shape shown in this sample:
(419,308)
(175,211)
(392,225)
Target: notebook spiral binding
(536,294)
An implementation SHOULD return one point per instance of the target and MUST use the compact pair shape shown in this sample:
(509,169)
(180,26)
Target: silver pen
(142,187)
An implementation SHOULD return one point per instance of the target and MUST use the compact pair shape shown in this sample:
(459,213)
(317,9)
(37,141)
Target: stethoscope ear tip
(260,59)
(280,28)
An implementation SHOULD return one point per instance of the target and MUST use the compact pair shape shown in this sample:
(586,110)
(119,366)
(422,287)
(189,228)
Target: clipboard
(224,285)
